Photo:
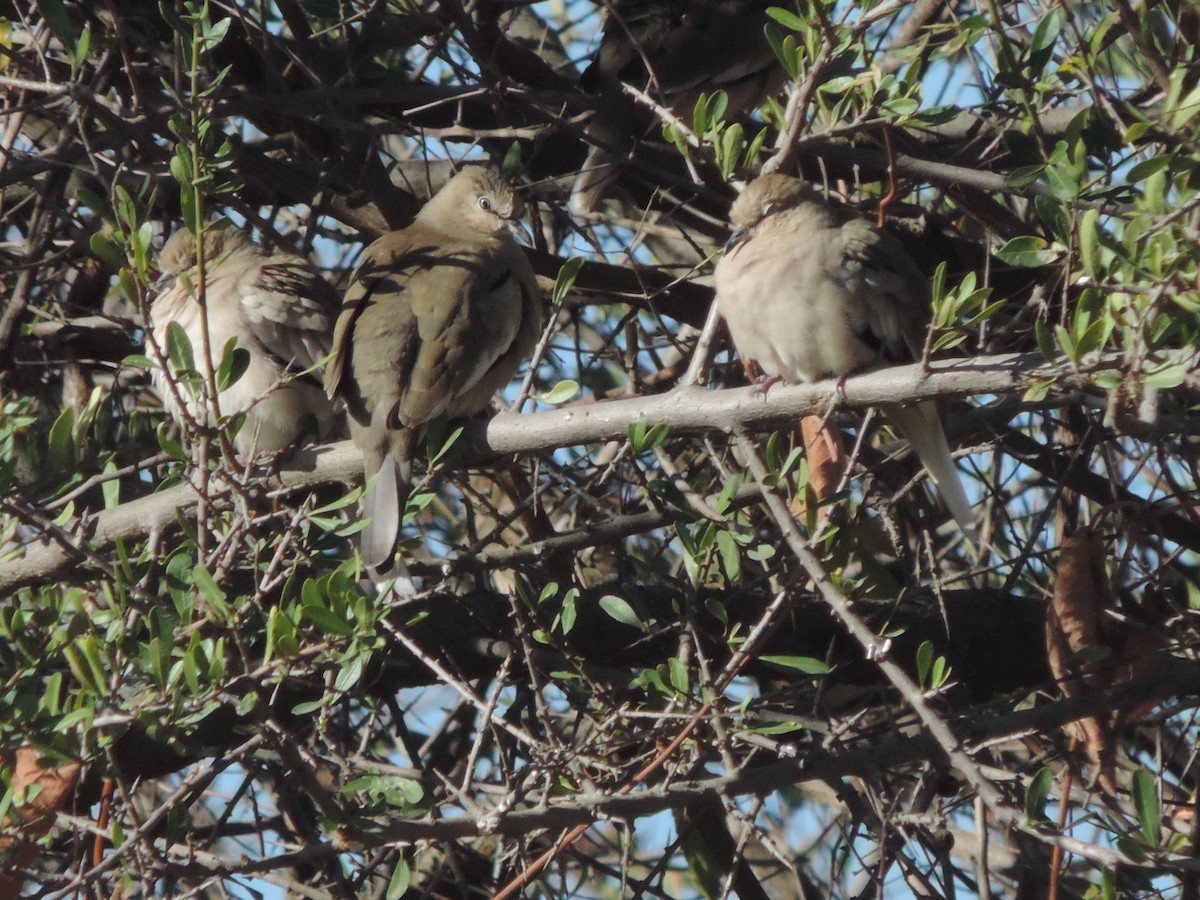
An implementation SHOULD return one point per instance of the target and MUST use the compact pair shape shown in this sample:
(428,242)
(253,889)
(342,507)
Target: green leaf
(651,679)
(1186,110)
(191,670)
(128,285)
(1036,794)
(1167,377)
(400,880)
(1027,251)
(902,106)
(327,621)
(1022,176)
(281,636)
(1042,42)
(349,675)
(234,363)
(717,104)
(126,208)
(1067,343)
(1145,800)
(1038,391)
(1133,848)
(700,115)
(181,169)
(168,443)
(180,581)
(189,211)
(1089,242)
(60,448)
(156,656)
(549,592)
(784,47)
(1044,339)
(82,673)
(618,608)
(677,670)
(179,349)
(212,33)
(90,648)
(511,167)
(939,674)
(806,664)
(562,392)
(730,146)
(1054,218)
(762,552)
(788,19)
(565,280)
(643,436)
(108,248)
(675,137)
(212,593)
(141,240)
(924,662)
(750,160)
(434,437)
(59,22)
(81,50)
(568,614)
(1063,182)
(1147,167)
(717,610)
(730,555)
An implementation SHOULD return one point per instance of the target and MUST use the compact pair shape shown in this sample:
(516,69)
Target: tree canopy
(658,647)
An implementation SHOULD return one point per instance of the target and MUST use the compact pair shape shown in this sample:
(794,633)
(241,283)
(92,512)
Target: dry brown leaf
(1081,598)
(55,785)
(1074,622)
(826,460)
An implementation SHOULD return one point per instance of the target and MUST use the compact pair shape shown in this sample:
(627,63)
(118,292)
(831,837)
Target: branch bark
(684,411)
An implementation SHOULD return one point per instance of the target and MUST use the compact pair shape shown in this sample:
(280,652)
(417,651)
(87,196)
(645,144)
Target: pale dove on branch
(437,318)
(280,310)
(810,291)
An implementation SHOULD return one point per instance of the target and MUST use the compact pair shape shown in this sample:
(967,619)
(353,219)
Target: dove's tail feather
(921,425)
(383,509)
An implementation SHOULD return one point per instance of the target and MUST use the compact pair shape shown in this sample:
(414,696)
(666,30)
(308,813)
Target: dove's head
(768,195)
(179,252)
(476,200)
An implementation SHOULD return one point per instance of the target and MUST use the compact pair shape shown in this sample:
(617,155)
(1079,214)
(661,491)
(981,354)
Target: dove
(281,311)
(811,291)
(437,318)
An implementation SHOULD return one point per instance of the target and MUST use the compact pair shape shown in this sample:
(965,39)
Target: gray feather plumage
(810,291)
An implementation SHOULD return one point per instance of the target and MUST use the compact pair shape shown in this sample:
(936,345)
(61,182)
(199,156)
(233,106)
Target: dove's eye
(485,203)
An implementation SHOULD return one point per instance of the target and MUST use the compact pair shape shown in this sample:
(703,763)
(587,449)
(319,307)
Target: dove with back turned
(281,311)
(811,291)
(436,320)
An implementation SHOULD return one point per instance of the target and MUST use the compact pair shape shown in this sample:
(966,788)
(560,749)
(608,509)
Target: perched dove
(810,291)
(674,51)
(280,310)
(437,319)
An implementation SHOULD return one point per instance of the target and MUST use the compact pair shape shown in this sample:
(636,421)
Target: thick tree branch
(684,411)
